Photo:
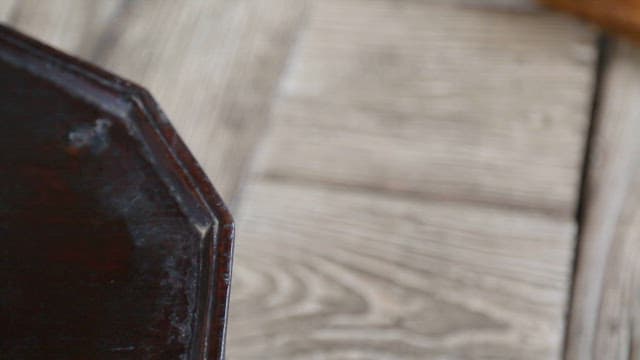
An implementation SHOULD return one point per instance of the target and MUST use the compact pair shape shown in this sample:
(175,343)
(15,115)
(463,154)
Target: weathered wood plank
(214,74)
(415,193)
(323,273)
(603,322)
(6,9)
(437,101)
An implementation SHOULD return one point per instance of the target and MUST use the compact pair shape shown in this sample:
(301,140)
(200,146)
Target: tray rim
(43,58)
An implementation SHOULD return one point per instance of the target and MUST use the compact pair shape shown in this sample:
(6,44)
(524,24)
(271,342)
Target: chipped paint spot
(202,229)
(95,138)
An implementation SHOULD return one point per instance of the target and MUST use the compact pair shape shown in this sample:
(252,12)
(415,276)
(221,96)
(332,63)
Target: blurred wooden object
(622,16)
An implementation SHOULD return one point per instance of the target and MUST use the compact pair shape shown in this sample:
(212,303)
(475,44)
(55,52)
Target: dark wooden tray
(114,243)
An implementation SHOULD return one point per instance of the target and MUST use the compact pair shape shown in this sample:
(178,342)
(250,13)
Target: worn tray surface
(114,244)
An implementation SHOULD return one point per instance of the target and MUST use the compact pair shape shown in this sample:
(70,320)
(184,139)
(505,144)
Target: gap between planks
(604,310)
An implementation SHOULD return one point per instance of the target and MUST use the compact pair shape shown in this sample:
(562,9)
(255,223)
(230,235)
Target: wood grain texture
(437,101)
(414,195)
(6,9)
(603,323)
(324,273)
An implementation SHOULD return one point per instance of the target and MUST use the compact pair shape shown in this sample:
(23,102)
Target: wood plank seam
(603,45)
(605,290)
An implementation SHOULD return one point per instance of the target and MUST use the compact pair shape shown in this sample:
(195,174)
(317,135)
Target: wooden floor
(406,175)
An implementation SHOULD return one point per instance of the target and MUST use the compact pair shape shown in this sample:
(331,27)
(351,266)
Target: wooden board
(414,197)
(604,316)
(6,9)
(436,101)
(324,273)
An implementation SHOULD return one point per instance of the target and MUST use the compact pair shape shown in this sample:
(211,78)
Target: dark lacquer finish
(113,243)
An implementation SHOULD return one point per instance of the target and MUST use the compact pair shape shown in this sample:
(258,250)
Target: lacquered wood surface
(114,244)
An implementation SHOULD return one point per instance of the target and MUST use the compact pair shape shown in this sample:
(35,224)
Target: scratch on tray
(123,348)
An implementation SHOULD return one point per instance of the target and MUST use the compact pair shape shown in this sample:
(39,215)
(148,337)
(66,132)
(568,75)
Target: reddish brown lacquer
(114,245)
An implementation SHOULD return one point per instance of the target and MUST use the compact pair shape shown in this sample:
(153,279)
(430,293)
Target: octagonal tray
(114,245)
